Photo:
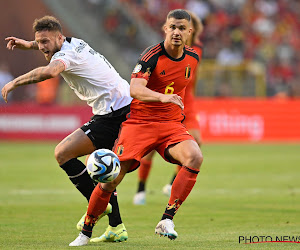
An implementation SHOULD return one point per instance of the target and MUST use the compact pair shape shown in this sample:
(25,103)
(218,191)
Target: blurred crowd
(265,31)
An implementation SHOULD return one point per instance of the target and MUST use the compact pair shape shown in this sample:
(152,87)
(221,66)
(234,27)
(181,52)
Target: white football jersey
(92,77)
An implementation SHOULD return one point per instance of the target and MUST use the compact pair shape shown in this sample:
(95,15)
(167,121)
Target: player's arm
(138,90)
(14,42)
(37,75)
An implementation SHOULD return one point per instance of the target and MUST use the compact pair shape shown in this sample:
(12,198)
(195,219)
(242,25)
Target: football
(103,165)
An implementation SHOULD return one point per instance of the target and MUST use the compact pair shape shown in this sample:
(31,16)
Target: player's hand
(18,43)
(6,89)
(173,98)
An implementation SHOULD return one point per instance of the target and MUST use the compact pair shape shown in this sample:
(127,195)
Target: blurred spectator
(117,25)
(46,91)
(230,55)
(5,77)
(263,31)
(199,7)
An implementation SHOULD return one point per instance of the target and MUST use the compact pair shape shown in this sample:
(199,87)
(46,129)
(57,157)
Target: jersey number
(169,90)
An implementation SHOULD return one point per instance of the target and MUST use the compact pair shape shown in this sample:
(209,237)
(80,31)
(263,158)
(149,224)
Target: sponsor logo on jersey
(89,122)
(81,46)
(163,73)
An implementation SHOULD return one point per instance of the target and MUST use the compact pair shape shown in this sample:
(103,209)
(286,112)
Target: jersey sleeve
(66,57)
(198,47)
(146,63)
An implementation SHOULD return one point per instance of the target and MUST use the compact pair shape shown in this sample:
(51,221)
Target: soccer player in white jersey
(94,80)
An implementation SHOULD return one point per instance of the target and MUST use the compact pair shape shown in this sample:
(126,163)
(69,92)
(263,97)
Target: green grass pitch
(242,190)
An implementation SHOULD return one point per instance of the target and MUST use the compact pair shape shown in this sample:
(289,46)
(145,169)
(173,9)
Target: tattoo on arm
(34,76)
(67,139)
(57,66)
(40,74)
(34,45)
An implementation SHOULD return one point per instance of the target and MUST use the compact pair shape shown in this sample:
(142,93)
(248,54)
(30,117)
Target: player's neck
(174,51)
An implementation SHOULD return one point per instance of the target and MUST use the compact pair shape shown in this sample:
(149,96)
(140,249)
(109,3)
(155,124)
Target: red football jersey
(190,89)
(165,75)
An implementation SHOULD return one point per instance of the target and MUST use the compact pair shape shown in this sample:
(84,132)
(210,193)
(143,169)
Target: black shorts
(103,130)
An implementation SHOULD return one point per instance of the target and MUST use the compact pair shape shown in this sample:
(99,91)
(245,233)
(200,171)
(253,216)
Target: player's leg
(143,173)
(133,143)
(108,210)
(116,230)
(189,155)
(195,132)
(98,203)
(112,210)
(66,152)
(103,131)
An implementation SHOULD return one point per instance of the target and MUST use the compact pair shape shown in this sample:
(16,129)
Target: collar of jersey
(172,58)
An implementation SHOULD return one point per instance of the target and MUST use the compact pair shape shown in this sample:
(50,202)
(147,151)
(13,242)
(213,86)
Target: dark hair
(179,14)
(49,23)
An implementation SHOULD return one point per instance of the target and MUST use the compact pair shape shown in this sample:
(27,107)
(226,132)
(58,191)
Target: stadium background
(249,85)
(248,99)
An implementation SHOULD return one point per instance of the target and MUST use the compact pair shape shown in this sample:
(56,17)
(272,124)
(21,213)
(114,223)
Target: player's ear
(60,36)
(190,30)
(164,28)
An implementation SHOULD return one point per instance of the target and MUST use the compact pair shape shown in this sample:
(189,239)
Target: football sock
(97,205)
(79,176)
(144,169)
(172,180)
(114,217)
(89,223)
(141,186)
(182,186)
(174,176)
(143,173)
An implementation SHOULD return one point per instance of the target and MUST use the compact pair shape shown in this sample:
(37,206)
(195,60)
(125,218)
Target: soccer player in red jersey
(191,119)
(158,86)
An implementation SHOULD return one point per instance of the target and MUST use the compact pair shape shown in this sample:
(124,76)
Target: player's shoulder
(151,52)
(197,45)
(191,52)
(70,49)
(73,44)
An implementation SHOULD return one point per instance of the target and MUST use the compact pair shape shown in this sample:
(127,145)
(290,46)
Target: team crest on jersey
(187,72)
(137,68)
(120,150)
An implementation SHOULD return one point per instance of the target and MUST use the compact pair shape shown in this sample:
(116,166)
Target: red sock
(144,169)
(182,186)
(97,205)
(98,201)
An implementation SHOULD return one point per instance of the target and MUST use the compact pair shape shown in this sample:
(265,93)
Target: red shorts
(138,138)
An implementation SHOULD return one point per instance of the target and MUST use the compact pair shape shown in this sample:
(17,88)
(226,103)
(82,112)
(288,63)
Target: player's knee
(111,186)
(194,160)
(60,155)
